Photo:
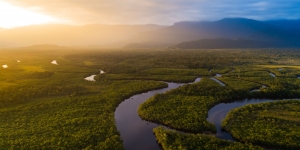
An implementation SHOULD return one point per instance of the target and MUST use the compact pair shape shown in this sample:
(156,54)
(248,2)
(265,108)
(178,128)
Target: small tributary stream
(138,134)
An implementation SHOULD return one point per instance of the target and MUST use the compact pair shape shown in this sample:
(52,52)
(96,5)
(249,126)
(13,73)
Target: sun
(12,16)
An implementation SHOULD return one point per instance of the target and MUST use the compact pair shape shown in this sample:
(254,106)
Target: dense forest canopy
(43,105)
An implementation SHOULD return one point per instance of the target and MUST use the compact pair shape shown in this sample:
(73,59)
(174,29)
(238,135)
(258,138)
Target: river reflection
(273,75)
(218,81)
(54,62)
(4,66)
(90,78)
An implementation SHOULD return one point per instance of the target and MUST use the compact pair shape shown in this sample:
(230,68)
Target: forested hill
(286,24)
(222,43)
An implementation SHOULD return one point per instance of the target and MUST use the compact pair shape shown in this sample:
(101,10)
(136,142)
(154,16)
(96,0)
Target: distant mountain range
(225,33)
(266,34)
(286,24)
(45,46)
(67,35)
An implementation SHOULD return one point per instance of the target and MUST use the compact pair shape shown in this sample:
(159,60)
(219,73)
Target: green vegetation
(168,78)
(238,84)
(46,106)
(33,68)
(172,140)
(68,122)
(168,71)
(57,109)
(186,107)
(274,124)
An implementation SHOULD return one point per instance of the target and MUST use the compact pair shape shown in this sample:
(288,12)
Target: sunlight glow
(12,16)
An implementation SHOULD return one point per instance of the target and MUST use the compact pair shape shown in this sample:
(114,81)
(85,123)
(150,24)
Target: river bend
(138,134)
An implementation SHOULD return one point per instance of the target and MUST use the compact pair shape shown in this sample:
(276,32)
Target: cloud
(160,11)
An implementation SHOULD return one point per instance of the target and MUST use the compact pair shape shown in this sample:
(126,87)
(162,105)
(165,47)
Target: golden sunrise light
(12,16)
(149,74)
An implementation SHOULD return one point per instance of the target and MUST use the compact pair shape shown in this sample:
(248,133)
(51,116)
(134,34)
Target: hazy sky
(164,12)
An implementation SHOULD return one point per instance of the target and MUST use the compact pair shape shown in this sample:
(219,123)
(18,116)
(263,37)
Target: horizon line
(82,25)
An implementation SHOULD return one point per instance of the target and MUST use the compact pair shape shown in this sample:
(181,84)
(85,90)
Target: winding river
(138,134)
